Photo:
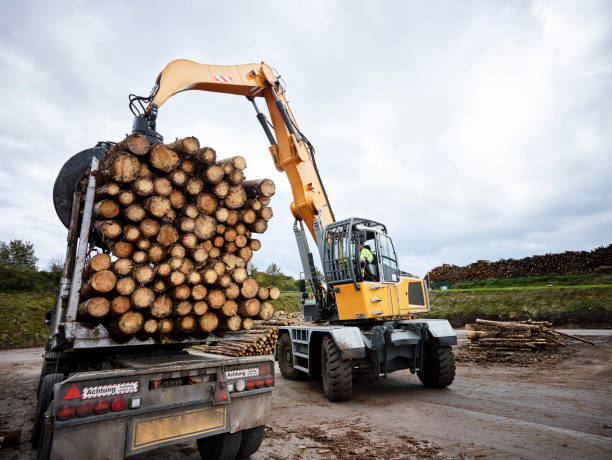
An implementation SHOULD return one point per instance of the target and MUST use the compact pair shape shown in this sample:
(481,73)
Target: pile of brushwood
(173,229)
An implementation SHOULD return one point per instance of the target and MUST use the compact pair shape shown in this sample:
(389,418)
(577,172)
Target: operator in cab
(365,257)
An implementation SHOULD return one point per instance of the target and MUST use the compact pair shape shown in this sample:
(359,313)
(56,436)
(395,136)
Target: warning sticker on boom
(114,389)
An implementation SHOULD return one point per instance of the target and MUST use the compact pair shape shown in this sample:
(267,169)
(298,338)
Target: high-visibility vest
(365,254)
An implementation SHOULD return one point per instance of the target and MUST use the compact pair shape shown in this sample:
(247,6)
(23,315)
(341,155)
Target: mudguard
(350,342)
(438,328)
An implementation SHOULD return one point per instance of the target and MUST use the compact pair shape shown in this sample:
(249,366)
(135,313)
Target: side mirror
(302,285)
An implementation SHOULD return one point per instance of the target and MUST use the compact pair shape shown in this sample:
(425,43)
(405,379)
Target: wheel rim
(288,356)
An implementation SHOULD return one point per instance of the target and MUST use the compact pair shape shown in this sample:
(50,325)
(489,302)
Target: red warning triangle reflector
(73,392)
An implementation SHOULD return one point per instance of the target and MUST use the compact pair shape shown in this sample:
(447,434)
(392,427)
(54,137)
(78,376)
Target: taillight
(117,404)
(269,380)
(101,406)
(259,382)
(65,412)
(84,408)
(250,384)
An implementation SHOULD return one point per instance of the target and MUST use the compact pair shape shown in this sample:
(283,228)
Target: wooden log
(199,292)
(247,216)
(214,174)
(135,143)
(98,263)
(108,190)
(205,227)
(167,235)
(179,178)
(206,155)
(126,198)
(263,293)
(177,199)
(199,255)
(188,166)
(233,261)
(239,274)
(93,309)
(183,308)
(247,323)
(274,292)
(165,326)
(232,291)
(142,297)
(100,282)
(159,286)
(189,240)
(224,281)
(218,241)
(186,324)
(120,305)
(207,203)
(143,274)
(163,159)
(236,197)
(580,339)
(131,233)
(125,286)
(134,213)
(259,188)
(265,200)
(177,278)
(139,257)
(156,253)
(249,307)
(229,308)
(232,218)
(163,270)
(215,298)
(181,292)
(162,306)
(128,323)
(143,186)
(186,224)
(221,214)
(259,226)
(148,227)
(162,186)
(194,277)
(157,206)
(214,253)
(221,190)
(235,177)
(143,244)
(241,241)
(194,186)
(120,166)
(255,244)
(266,312)
(236,162)
(200,307)
(208,322)
(220,230)
(188,146)
(108,228)
(245,253)
(231,323)
(150,326)
(187,266)
(266,213)
(145,171)
(106,209)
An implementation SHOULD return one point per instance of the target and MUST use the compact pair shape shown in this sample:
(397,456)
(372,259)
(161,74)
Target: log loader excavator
(358,313)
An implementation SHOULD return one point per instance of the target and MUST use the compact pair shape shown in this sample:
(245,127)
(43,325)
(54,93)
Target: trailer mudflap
(147,432)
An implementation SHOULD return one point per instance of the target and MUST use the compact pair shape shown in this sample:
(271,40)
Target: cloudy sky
(473,129)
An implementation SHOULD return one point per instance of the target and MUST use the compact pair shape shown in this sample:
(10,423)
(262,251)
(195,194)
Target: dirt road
(558,410)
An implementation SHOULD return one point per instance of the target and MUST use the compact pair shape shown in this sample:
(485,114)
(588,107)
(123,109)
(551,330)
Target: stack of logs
(179,225)
(516,335)
(260,340)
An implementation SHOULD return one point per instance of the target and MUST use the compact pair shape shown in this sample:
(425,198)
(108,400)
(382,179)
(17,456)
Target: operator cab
(346,242)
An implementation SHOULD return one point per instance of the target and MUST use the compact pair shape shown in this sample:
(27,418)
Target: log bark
(163,159)
(106,209)
(259,188)
(125,286)
(134,213)
(249,307)
(93,309)
(142,297)
(108,228)
(208,322)
(162,306)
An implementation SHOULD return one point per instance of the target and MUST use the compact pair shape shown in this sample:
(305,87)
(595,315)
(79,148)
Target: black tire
(336,373)
(251,440)
(438,366)
(46,439)
(285,359)
(45,392)
(220,447)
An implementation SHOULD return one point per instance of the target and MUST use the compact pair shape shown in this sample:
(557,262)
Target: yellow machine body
(381,300)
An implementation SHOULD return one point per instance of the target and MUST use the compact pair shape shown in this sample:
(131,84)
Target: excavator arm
(291,151)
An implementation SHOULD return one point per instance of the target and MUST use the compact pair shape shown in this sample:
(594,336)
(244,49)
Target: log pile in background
(566,263)
(516,335)
(260,340)
(180,227)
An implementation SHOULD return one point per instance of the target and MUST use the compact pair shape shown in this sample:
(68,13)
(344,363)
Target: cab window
(388,259)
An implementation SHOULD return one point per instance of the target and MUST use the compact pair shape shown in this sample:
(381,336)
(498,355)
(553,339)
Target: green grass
(289,301)
(22,318)
(603,278)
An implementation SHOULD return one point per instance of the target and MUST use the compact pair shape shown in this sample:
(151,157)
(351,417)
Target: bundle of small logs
(516,335)
(174,231)
(260,340)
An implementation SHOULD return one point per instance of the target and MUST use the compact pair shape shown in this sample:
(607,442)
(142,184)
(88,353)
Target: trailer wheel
(45,391)
(251,441)
(46,439)
(336,373)
(285,359)
(220,447)
(438,366)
